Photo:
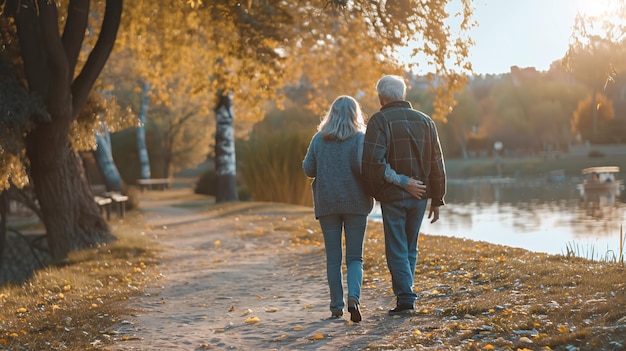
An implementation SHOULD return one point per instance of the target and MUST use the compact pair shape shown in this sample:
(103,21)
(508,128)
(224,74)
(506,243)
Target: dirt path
(233,280)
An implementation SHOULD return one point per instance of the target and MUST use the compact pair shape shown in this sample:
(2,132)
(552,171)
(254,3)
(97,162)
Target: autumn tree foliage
(229,56)
(250,52)
(596,57)
(592,119)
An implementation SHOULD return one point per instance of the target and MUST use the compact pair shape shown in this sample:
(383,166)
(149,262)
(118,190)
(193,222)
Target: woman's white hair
(391,88)
(343,120)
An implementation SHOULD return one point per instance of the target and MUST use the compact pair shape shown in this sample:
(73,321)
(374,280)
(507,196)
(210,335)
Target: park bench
(105,205)
(153,183)
(118,201)
(109,199)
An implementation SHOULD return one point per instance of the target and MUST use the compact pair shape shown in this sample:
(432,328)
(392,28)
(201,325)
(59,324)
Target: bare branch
(58,100)
(33,52)
(98,56)
(74,31)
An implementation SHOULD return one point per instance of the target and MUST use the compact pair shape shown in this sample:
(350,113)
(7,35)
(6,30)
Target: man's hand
(416,188)
(434,213)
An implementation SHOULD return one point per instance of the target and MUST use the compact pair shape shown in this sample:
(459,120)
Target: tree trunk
(104,160)
(71,216)
(594,115)
(144,161)
(167,161)
(4,210)
(225,161)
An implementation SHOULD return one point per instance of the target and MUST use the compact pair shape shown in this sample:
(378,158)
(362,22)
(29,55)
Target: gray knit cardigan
(336,167)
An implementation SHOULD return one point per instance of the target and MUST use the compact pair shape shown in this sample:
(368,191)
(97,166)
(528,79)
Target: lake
(539,216)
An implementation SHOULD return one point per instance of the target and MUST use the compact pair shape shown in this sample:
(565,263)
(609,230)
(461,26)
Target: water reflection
(538,216)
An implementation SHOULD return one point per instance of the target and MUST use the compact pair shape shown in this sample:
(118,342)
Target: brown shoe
(402,308)
(336,314)
(353,308)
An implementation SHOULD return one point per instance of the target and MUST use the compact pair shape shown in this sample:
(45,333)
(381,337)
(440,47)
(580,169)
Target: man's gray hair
(391,88)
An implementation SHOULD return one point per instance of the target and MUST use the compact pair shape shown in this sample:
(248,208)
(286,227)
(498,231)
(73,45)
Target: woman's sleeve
(391,176)
(309,165)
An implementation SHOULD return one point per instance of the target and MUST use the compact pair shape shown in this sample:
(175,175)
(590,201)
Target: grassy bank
(472,295)
(73,306)
(529,167)
(481,296)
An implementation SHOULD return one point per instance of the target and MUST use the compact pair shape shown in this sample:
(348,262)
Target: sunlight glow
(596,8)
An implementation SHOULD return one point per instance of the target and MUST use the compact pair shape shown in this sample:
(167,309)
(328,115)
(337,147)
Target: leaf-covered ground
(250,276)
(481,296)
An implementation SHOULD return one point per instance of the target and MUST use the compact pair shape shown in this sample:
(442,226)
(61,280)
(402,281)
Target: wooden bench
(119,201)
(105,205)
(154,183)
(108,199)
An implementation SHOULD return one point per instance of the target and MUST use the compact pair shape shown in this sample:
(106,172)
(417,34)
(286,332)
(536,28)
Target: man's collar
(399,103)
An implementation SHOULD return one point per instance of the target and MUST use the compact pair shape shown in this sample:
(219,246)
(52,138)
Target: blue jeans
(402,221)
(354,226)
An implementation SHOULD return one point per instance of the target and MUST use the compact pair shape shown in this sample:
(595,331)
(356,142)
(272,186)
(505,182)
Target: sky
(523,33)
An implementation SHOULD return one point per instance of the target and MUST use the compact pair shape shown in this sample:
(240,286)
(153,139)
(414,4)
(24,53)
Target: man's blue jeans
(402,221)
(354,226)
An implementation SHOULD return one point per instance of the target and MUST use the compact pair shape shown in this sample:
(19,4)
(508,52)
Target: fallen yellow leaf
(318,336)
(22,310)
(253,320)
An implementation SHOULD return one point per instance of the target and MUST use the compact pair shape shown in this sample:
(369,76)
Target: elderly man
(404,140)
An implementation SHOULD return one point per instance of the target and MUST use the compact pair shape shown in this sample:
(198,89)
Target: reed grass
(572,249)
(271,168)
(622,240)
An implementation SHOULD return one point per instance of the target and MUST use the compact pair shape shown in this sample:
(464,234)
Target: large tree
(252,50)
(49,57)
(597,54)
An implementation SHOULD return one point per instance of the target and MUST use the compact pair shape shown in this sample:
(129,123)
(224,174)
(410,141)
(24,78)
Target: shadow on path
(231,278)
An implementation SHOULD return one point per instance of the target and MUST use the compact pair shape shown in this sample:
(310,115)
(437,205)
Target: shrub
(271,167)
(595,154)
(207,185)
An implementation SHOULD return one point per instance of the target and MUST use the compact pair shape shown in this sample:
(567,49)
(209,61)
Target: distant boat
(600,178)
